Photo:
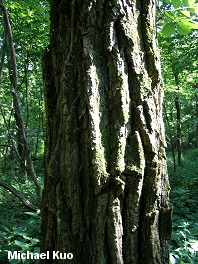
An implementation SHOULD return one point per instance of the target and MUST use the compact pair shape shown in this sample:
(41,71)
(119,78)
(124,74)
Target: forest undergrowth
(184,199)
(20,228)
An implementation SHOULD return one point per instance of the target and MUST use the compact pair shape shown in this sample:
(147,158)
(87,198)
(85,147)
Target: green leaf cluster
(179,60)
(30,27)
(179,16)
(19,231)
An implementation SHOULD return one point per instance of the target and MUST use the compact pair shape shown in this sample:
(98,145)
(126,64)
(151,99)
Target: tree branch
(19,195)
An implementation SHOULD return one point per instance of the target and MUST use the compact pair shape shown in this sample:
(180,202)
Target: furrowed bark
(106,186)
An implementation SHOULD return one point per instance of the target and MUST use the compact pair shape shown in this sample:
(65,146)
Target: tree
(180,16)
(106,188)
(179,64)
(9,62)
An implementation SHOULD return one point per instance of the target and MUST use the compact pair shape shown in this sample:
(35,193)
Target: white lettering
(23,255)
(36,256)
(13,255)
(29,255)
(70,256)
(55,255)
(63,256)
(42,256)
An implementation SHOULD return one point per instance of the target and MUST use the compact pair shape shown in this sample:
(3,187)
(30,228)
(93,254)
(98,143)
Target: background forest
(20,218)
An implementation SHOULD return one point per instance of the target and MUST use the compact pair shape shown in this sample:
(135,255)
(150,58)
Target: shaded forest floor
(20,229)
(184,199)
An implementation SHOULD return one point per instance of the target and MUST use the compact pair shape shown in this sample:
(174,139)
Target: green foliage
(19,230)
(179,16)
(30,27)
(184,199)
(168,29)
(179,60)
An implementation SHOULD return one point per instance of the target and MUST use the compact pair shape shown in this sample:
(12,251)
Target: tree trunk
(106,188)
(178,116)
(196,118)
(179,137)
(172,145)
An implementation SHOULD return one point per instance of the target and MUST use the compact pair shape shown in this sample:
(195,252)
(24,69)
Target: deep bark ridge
(106,186)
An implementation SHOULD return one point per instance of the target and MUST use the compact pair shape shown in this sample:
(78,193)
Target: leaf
(194,245)
(19,243)
(30,213)
(168,14)
(194,8)
(5,228)
(182,28)
(185,2)
(20,233)
(191,2)
(191,201)
(176,3)
(192,25)
(186,13)
(188,2)
(34,241)
(37,250)
(22,244)
(172,259)
(168,29)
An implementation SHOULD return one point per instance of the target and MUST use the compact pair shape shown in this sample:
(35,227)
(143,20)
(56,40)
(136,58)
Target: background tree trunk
(106,187)
(179,136)
(196,95)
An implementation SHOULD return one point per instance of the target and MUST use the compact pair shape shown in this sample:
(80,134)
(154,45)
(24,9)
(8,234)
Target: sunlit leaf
(176,3)
(30,213)
(169,14)
(168,29)
(19,243)
(194,8)
(188,2)
(34,241)
(185,13)
(192,25)
(191,2)
(185,2)
(194,245)
(172,259)
(183,29)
